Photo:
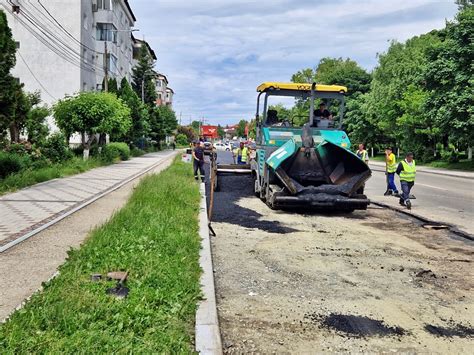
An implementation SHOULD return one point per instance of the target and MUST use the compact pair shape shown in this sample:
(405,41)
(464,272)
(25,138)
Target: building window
(106,32)
(17,45)
(104,4)
(112,63)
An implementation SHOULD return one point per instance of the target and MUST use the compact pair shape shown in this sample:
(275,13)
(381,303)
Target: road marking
(433,187)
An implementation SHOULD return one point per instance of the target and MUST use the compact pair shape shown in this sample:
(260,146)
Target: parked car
(223,146)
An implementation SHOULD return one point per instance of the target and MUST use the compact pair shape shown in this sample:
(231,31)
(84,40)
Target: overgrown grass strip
(155,237)
(31,177)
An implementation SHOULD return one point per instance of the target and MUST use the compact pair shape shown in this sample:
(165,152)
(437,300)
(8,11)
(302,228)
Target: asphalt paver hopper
(310,166)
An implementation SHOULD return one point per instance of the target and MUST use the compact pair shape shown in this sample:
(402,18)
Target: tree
(92,113)
(11,95)
(181,139)
(143,77)
(449,80)
(168,117)
(241,128)
(332,71)
(394,104)
(188,132)
(140,127)
(220,131)
(36,127)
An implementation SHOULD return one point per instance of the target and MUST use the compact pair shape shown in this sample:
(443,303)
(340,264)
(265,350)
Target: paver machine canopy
(309,165)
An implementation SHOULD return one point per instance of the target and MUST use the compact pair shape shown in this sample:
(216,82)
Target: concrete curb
(421,169)
(208,337)
(451,228)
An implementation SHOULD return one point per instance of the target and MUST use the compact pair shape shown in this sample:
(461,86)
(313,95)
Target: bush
(450,156)
(136,152)
(12,163)
(56,149)
(114,151)
(181,139)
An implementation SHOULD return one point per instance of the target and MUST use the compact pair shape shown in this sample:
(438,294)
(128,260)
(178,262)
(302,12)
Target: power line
(34,76)
(61,26)
(66,56)
(54,38)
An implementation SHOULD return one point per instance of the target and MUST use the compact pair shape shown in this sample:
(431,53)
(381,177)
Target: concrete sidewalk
(33,208)
(420,168)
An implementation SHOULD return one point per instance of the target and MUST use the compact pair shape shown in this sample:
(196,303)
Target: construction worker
(390,169)
(406,170)
(198,161)
(242,154)
(362,154)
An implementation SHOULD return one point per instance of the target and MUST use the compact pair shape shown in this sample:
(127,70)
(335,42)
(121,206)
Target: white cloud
(215,53)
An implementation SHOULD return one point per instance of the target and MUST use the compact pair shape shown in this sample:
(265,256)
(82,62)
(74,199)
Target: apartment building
(164,92)
(65,46)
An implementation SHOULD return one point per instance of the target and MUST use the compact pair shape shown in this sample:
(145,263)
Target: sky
(216,52)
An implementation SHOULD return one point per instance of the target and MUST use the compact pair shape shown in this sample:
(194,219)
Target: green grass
(465,165)
(34,176)
(154,237)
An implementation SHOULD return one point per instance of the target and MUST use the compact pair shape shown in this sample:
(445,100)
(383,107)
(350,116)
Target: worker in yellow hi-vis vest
(242,154)
(390,169)
(407,171)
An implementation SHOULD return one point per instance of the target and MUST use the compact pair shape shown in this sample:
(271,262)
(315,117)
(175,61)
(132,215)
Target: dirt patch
(355,325)
(456,330)
(363,264)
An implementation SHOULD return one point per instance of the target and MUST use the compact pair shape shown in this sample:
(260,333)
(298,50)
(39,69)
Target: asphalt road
(441,198)
(444,199)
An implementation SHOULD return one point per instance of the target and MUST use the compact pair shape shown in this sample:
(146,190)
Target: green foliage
(149,239)
(36,127)
(139,114)
(8,86)
(162,123)
(181,139)
(450,156)
(240,131)
(11,163)
(112,85)
(143,75)
(56,149)
(92,113)
(220,131)
(450,79)
(27,177)
(136,152)
(188,132)
(115,151)
(333,71)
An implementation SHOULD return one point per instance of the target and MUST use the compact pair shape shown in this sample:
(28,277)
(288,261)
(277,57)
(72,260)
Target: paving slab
(31,208)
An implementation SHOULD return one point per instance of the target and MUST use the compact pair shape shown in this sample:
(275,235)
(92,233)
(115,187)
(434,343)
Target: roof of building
(152,52)
(130,10)
(300,87)
(170,89)
(164,76)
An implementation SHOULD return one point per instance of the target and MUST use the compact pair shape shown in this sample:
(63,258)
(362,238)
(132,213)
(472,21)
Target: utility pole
(106,69)
(143,89)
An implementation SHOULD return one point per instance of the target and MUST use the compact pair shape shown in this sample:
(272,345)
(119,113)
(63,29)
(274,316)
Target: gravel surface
(369,281)
(26,266)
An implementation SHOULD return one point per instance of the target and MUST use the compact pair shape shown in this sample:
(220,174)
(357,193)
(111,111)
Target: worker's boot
(388,193)
(408,204)
(401,202)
